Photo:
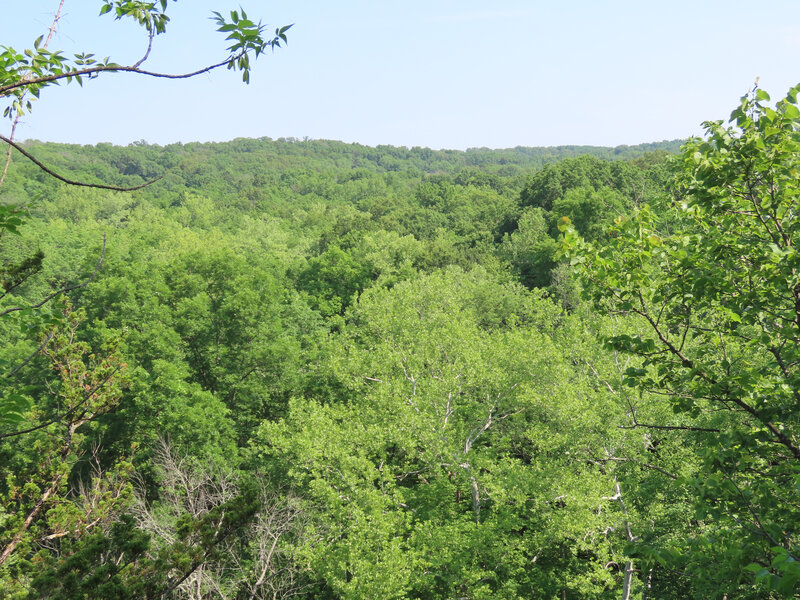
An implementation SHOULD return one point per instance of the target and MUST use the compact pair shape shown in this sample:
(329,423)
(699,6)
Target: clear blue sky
(438,73)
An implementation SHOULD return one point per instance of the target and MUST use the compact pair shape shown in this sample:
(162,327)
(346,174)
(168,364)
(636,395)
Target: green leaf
(787,584)
(791,111)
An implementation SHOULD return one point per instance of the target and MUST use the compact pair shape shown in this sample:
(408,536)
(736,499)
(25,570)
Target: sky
(434,73)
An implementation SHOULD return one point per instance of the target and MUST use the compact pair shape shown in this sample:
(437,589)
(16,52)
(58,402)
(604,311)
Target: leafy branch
(24,74)
(36,68)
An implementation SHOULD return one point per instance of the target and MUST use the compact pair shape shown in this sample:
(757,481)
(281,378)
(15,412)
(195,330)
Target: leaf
(787,583)
(791,111)
(754,568)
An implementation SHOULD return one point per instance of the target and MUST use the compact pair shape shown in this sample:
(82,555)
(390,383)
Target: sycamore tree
(714,282)
(466,456)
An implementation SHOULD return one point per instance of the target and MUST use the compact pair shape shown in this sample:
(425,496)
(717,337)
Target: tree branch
(56,19)
(112,69)
(52,173)
(29,359)
(668,427)
(66,413)
(152,34)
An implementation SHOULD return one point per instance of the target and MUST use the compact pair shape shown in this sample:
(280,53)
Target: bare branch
(152,33)
(52,173)
(10,148)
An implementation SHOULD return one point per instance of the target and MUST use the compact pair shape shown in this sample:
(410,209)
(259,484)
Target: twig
(149,47)
(30,357)
(56,19)
(668,427)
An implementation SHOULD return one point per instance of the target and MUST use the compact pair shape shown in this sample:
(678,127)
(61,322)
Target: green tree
(35,506)
(715,283)
(590,210)
(530,250)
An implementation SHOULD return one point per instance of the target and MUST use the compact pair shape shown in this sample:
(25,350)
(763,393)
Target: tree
(36,508)
(714,283)
(530,250)
(254,563)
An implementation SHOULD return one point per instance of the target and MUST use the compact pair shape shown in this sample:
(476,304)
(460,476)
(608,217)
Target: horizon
(445,75)
(306,139)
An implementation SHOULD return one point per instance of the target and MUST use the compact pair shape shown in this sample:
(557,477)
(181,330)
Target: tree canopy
(284,368)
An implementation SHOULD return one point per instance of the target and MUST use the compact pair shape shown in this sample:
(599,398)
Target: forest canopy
(305,368)
(384,366)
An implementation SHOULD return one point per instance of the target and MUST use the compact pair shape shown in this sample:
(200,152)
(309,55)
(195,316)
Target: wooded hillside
(323,370)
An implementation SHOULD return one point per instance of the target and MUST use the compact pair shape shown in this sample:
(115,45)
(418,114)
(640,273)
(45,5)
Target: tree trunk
(626,583)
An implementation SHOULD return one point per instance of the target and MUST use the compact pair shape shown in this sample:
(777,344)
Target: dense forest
(309,369)
(322,370)
(382,344)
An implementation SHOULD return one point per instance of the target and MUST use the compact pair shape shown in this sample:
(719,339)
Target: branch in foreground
(110,69)
(67,413)
(27,360)
(52,173)
(636,462)
(636,425)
